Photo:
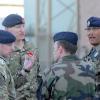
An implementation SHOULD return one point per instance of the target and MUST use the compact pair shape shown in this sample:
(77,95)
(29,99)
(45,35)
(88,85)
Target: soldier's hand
(30,59)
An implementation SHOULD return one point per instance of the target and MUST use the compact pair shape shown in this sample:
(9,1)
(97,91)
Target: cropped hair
(68,47)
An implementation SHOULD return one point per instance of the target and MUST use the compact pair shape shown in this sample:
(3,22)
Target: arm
(26,71)
(3,88)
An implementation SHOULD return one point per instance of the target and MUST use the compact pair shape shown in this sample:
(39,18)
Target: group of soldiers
(68,78)
(21,62)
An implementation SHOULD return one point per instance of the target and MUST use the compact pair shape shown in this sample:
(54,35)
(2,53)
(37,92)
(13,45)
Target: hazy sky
(11,1)
(7,9)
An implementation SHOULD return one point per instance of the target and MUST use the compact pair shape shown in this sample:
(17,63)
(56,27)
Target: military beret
(6,37)
(93,22)
(70,37)
(12,20)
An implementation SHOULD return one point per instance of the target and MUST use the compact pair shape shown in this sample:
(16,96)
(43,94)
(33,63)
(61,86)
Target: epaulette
(95,55)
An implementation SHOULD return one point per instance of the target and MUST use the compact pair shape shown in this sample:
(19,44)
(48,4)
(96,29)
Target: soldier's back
(70,79)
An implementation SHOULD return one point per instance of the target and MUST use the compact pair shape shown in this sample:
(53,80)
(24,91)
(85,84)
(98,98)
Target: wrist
(23,73)
(26,70)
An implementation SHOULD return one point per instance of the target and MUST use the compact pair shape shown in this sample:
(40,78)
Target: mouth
(22,34)
(91,37)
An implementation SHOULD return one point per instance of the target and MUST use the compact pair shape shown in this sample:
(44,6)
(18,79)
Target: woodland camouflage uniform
(26,86)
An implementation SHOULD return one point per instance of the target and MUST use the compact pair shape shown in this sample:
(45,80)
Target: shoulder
(59,69)
(3,67)
(28,45)
(66,64)
(94,55)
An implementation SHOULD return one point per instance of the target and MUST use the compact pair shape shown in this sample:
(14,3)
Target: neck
(95,45)
(65,54)
(19,44)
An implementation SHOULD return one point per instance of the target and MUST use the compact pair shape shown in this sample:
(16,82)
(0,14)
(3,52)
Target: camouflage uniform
(7,89)
(26,86)
(69,79)
(94,59)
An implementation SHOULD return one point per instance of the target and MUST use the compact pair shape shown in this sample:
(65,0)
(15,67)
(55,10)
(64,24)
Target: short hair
(68,47)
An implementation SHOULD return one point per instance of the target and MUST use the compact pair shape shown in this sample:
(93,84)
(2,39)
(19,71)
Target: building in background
(45,17)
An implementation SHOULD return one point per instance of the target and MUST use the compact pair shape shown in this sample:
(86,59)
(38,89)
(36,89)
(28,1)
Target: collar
(98,48)
(68,58)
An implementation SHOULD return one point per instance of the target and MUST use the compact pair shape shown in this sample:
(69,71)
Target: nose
(90,32)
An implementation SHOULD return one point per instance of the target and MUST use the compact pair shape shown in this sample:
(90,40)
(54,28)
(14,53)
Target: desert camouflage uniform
(25,86)
(94,59)
(69,79)
(7,89)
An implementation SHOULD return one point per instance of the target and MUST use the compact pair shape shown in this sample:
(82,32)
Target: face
(18,31)
(56,52)
(94,36)
(6,49)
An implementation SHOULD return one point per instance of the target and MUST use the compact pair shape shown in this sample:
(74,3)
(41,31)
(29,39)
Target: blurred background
(43,18)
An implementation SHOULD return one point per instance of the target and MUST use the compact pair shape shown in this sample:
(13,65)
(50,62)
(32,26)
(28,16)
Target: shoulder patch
(2,61)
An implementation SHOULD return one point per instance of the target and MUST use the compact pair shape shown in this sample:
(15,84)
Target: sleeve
(3,88)
(19,80)
(30,86)
(48,80)
(15,66)
(54,85)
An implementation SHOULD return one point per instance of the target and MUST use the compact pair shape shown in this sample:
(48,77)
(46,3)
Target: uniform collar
(68,58)
(98,48)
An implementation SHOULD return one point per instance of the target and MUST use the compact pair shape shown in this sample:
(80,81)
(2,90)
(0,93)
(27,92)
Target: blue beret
(93,22)
(6,37)
(12,20)
(70,37)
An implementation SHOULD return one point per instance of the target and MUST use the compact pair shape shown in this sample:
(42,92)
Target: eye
(19,26)
(10,44)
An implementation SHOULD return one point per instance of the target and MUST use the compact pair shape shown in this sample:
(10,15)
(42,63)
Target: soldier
(7,89)
(93,30)
(22,63)
(68,78)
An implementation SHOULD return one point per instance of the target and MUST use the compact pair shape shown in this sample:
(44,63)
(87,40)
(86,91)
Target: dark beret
(12,20)
(93,22)
(70,37)
(6,37)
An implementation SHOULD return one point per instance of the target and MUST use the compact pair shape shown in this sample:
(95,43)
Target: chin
(94,44)
(22,38)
